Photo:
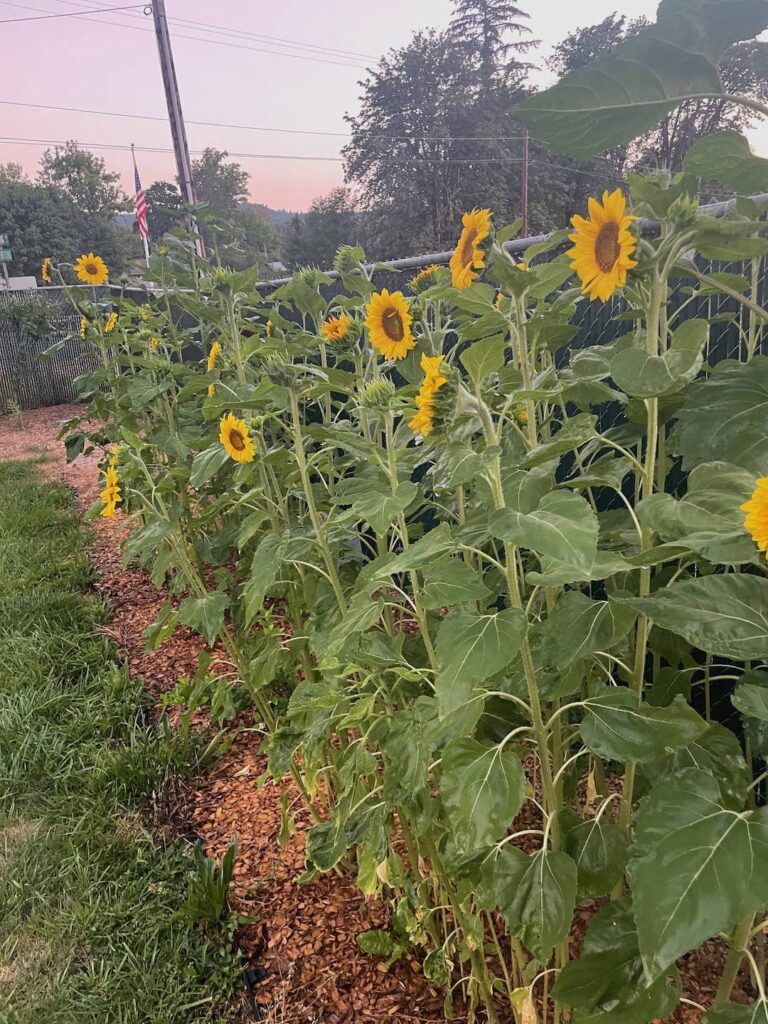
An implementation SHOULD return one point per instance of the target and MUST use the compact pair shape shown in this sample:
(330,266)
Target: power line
(256,128)
(64,14)
(200,39)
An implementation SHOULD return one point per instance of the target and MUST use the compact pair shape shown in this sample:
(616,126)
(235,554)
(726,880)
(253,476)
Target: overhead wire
(62,14)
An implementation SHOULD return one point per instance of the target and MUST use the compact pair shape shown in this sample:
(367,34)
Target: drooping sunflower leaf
(697,867)
(616,726)
(265,566)
(599,848)
(726,157)
(578,626)
(721,614)
(471,647)
(452,582)
(623,94)
(737,1013)
(717,751)
(205,614)
(643,375)
(751,700)
(206,464)
(540,910)
(564,527)
(482,790)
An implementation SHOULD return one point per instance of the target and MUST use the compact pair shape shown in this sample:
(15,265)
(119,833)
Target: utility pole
(175,116)
(524,184)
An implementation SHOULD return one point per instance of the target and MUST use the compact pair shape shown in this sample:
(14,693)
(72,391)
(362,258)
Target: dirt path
(305,935)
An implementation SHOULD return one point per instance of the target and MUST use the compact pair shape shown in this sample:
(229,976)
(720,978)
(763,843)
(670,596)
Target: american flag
(140,204)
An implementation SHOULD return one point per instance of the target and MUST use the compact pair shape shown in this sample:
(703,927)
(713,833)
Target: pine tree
(484,26)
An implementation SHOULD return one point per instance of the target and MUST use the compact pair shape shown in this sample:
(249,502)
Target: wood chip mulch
(303,934)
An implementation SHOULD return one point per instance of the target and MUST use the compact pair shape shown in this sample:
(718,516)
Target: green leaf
(326,846)
(483,357)
(563,527)
(470,648)
(267,559)
(381,508)
(452,582)
(737,1013)
(724,418)
(482,787)
(500,876)
(697,869)
(617,727)
(427,549)
(362,613)
(206,463)
(628,91)
(717,751)
(752,700)
(722,614)
(600,850)
(540,910)
(726,157)
(606,983)
(204,614)
(647,376)
(578,626)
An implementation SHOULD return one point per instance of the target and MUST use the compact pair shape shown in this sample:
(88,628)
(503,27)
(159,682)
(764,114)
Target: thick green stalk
(739,942)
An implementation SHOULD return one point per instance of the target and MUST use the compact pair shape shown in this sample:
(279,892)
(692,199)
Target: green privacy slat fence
(26,378)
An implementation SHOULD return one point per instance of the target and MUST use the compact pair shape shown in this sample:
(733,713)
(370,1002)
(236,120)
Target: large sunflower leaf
(472,647)
(737,1013)
(452,582)
(482,786)
(642,375)
(606,984)
(578,626)
(625,93)
(723,419)
(540,910)
(564,527)
(726,157)
(600,849)
(697,869)
(717,751)
(617,727)
(723,614)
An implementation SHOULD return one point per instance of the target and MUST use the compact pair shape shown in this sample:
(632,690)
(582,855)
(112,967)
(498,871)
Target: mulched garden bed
(304,935)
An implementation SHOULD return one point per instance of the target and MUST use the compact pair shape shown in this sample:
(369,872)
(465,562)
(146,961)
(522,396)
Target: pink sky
(112,66)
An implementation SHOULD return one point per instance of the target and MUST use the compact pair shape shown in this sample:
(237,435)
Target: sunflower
(337,327)
(422,279)
(233,434)
(153,343)
(45,270)
(757,514)
(423,422)
(388,321)
(144,313)
(91,269)
(603,246)
(111,323)
(110,496)
(213,355)
(83,326)
(469,256)
(269,328)
(211,390)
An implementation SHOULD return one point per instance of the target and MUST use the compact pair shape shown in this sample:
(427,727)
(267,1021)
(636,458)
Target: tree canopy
(84,178)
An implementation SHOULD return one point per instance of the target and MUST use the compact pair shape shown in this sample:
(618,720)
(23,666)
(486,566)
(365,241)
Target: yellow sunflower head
(213,355)
(469,256)
(269,328)
(45,270)
(110,495)
(603,246)
(211,390)
(756,521)
(234,435)
(153,343)
(424,420)
(91,269)
(336,328)
(388,320)
(83,326)
(423,279)
(144,313)
(111,323)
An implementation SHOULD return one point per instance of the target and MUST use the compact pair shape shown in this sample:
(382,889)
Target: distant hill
(277,217)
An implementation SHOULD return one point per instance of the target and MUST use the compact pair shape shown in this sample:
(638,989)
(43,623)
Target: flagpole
(144,237)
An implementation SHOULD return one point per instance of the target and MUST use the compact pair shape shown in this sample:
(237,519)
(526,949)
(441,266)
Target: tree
(331,221)
(218,184)
(43,220)
(84,178)
(164,208)
(295,242)
(246,240)
(483,27)
(12,172)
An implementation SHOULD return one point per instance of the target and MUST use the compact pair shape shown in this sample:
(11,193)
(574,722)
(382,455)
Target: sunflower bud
(279,370)
(426,278)
(377,394)
(220,279)
(348,258)
(683,211)
(309,275)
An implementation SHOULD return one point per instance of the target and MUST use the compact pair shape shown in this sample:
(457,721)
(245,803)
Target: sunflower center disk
(392,323)
(468,249)
(91,268)
(607,248)
(236,440)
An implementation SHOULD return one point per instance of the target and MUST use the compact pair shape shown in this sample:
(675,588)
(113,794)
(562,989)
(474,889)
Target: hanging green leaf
(697,867)
(737,1013)
(717,751)
(751,700)
(563,527)
(726,157)
(452,582)
(578,626)
(540,910)
(267,559)
(643,375)
(204,614)
(722,614)
(206,464)
(617,726)
(599,848)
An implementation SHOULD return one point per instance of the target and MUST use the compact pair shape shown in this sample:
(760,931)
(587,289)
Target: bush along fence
(496,623)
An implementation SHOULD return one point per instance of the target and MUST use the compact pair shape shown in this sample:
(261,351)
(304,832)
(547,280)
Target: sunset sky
(109,63)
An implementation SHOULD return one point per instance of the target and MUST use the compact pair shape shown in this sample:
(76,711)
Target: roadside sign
(5,241)
(6,255)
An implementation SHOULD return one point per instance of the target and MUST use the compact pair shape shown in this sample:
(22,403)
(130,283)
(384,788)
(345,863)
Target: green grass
(90,928)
